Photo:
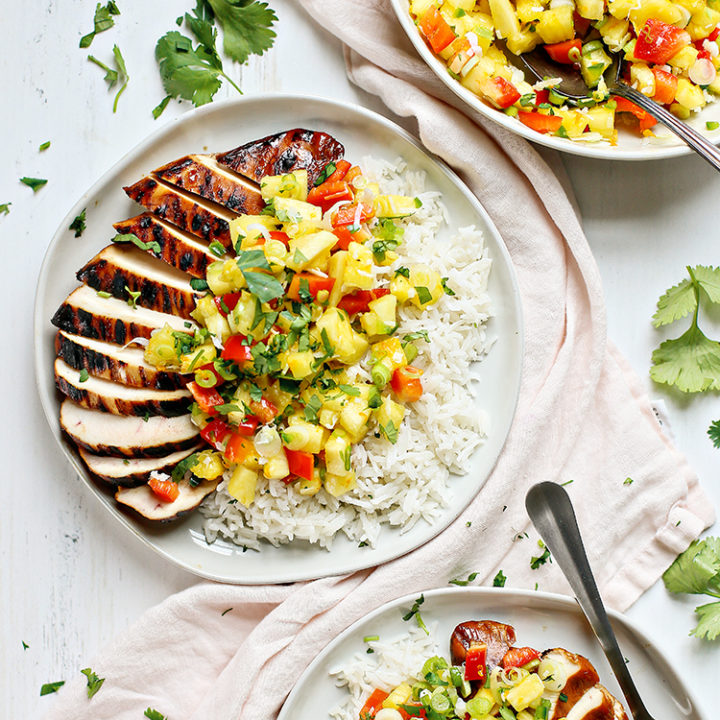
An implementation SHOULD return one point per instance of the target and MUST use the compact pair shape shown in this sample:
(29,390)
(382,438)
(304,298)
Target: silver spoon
(552,513)
(573,87)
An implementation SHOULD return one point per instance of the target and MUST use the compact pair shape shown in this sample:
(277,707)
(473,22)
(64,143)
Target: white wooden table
(71,578)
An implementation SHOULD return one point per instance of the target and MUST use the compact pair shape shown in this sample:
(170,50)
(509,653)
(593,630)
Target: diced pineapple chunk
(305,436)
(703,23)
(591,9)
(338,485)
(394,206)
(300,363)
(525,692)
(243,314)
(160,350)
(336,269)
(247,228)
(399,696)
(296,211)
(208,465)
(242,485)
(207,314)
(389,416)
(601,120)
(556,25)
(529,10)
(355,416)
(224,276)
(689,95)
(358,273)
(621,8)
(420,7)
(291,185)
(198,357)
(311,250)
(615,33)
(684,58)
(643,78)
(308,488)
(276,467)
(337,453)
(401,288)
(348,345)
(427,284)
(381,319)
(390,351)
(522,42)
(663,10)
(504,18)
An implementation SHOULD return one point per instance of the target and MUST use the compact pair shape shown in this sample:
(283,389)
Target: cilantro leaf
(500,579)
(78,224)
(183,466)
(415,612)
(53,687)
(247,27)
(34,183)
(135,240)
(708,278)
(94,683)
(714,433)
(187,73)
(463,583)
(158,110)
(536,562)
(102,21)
(154,714)
(696,570)
(708,626)
(265,287)
(44,146)
(675,303)
(112,77)
(5,208)
(24,645)
(690,362)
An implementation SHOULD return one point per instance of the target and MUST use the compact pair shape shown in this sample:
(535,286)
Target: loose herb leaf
(327,171)
(199,284)
(697,570)
(111,76)
(500,579)
(350,390)
(536,562)
(415,612)
(424,295)
(247,27)
(183,466)
(84,376)
(448,290)
(714,433)
(135,240)
(102,21)
(708,626)
(189,73)
(132,297)
(5,208)
(25,645)
(123,74)
(158,110)
(78,224)
(463,583)
(94,683)
(53,687)
(34,183)
(675,303)
(417,335)
(44,146)
(390,431)
(154,714)
(405,272)
(265,287)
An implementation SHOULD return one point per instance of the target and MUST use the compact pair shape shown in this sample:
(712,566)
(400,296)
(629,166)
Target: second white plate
(219,127)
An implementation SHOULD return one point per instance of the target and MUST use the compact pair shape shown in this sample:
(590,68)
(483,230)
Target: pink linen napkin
(582,416)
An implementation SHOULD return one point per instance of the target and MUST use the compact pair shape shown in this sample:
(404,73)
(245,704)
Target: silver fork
(552,513)
(574,88)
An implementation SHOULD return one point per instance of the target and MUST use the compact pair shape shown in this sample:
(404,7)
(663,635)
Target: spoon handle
(552,513)
(700,144)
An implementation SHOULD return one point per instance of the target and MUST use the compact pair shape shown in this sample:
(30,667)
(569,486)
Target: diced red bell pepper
(206,398)
(165,490)
(499,91)
(406,384)
(283,237)
(238,448)
(714,34)
(329,193)
(646,119)
(373,704)
(541,97)
(346,214)
(561,52)
(264,410)
(476,663)
(341,170)
(435,29)
(237,349)
(581,24)
(519,656)
(657,41)
(315,284)
(665,86)
(359,301)
(300,463)
(226,303)
(214,433)
(539,121)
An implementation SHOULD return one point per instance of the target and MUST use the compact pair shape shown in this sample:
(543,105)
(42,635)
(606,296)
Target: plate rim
(567,602)
(556,143)
(50,406)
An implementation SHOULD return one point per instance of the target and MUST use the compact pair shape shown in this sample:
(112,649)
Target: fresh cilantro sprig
(78,224)
(463,583)
(114,76)
(152,714)
(536,562)
(415,612)
(500,579)
(697,572)
(34,183)
(196,73)
(714,433)
(94,683)
(690,362)
(52,687)
(102,21)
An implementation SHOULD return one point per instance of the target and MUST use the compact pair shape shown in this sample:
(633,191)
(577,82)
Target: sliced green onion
(371,638)
(712,125)
(478,707)
(205,378)
(439,701)
(381,375)
(410,351)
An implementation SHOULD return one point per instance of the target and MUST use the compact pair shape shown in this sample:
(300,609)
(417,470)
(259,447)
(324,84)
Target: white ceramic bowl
(541,620)
(629,146)
(221,126)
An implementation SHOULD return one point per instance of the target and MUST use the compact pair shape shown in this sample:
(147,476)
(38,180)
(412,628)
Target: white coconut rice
(400,484)
(390,663)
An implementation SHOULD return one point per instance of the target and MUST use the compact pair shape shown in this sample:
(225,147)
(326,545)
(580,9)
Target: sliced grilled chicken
(201,174)
(144,501)
(85,313)
(283,153)
(597,704)
(178,248)
(125,268)
(114,362)
(131,473)
(498,637)
(200,217)
(97,394)
(126,435)
(575,673)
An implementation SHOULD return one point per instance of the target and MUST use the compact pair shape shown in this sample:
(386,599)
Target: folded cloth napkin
(582,416)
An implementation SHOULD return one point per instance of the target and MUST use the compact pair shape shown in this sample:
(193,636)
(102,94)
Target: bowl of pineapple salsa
(670,50)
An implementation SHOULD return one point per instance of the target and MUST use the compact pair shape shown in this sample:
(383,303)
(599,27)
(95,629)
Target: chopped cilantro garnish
(714,433)
(103,20)
(84,376)
(499,579)
(113,76)
(424,295)
(44,146)
(152,714)
(5,208)
(536,562)
(405,272)
(390,431)
(415,612)
(129,237)
(326,172)
(199,284)
(94,683)
(628,481)
(52,687)
(180,470)
(78,224)
(216,248)
(34,183)
(350,390)
(225,612)
(133,296)
(463,583)
(416,335)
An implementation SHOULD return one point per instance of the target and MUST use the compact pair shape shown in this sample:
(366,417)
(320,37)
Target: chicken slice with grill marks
(144,502)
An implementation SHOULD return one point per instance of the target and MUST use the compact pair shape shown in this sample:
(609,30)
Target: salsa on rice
(299,354)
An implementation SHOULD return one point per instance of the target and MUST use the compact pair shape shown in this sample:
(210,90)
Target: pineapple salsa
(298,354)
(670,49)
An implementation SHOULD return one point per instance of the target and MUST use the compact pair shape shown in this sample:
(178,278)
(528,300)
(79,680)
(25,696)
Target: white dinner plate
(630,146)
(218,127)
(541,620)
